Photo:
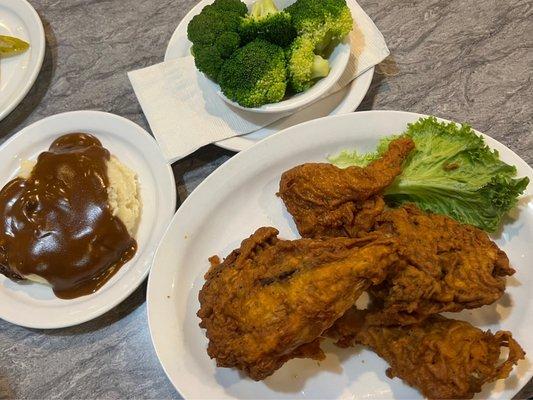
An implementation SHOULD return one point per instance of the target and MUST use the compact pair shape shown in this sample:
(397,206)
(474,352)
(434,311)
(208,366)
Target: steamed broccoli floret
(321,25)
(327,22)
(227,43)
(303,65)
(214,34)
(208,60)
(266,22)
(255,74)
(205,27)
(236,6)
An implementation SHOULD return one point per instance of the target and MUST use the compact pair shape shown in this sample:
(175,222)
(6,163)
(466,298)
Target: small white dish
(338,60)
(35,306)
(341,102)
(18,73)
(245,199)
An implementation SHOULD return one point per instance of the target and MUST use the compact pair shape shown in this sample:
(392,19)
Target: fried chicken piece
(271,299)
(445,266)
(325,200)
(443,358)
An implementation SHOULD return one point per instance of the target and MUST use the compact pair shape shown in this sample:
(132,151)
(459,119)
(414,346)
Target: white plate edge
(37,68)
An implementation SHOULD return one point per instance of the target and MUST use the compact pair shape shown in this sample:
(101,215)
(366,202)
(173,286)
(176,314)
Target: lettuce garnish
(452,171)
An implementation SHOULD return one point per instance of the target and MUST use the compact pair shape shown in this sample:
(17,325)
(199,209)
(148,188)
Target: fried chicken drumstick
(271,299)
(325,200)
(443,358)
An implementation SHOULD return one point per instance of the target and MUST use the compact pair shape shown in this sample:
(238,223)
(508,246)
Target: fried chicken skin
(325,200)
(443,358)
(271,299)
(445,266)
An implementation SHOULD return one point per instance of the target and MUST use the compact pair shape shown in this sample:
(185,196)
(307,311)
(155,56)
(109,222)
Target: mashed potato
(123,192)
(123,196)
(25,168)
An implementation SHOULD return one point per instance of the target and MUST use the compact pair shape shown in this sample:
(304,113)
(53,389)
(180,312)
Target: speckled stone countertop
(464,60)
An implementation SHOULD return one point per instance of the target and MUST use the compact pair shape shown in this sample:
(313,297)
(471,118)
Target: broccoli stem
(320,67)
(262,8)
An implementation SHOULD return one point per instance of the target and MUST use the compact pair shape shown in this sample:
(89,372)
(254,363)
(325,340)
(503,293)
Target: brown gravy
(58,224)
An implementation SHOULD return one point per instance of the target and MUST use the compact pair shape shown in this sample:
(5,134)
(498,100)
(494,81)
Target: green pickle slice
(10,46)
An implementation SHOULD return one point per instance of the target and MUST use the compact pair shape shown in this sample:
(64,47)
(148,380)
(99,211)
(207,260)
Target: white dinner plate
(34,305)
(239,197)
(341,102)
(18,73)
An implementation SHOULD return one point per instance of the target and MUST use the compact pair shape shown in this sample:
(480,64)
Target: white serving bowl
(338,60)
(342,101)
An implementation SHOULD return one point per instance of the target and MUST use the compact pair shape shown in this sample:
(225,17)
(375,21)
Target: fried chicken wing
(325,200)
(445,266)
(271,299)
(443,358)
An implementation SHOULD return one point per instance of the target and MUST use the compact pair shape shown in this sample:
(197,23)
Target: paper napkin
(185,112)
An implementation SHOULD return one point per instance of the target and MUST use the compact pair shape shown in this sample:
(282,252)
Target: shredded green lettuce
(452,171)
(347,158)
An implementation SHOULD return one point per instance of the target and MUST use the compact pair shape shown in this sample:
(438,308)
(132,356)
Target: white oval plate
(239,197)
(18,73)
(341,102)
(34,305)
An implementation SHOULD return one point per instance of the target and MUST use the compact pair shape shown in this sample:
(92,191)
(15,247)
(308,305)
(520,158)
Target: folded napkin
(185,112)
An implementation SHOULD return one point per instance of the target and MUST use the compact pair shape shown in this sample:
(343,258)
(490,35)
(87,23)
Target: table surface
(461,59)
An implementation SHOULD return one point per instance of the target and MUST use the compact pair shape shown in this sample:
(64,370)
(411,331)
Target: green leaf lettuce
(452,171)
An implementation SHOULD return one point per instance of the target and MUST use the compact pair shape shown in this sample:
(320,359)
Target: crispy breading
(445,266)
(443,358)
(271,299)
(324,200)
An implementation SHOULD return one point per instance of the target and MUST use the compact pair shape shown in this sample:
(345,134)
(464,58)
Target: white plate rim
(168,211)
(153,321)
(36,67)
(357,89)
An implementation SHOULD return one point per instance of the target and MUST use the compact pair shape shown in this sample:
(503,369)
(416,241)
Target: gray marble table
(464,60)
